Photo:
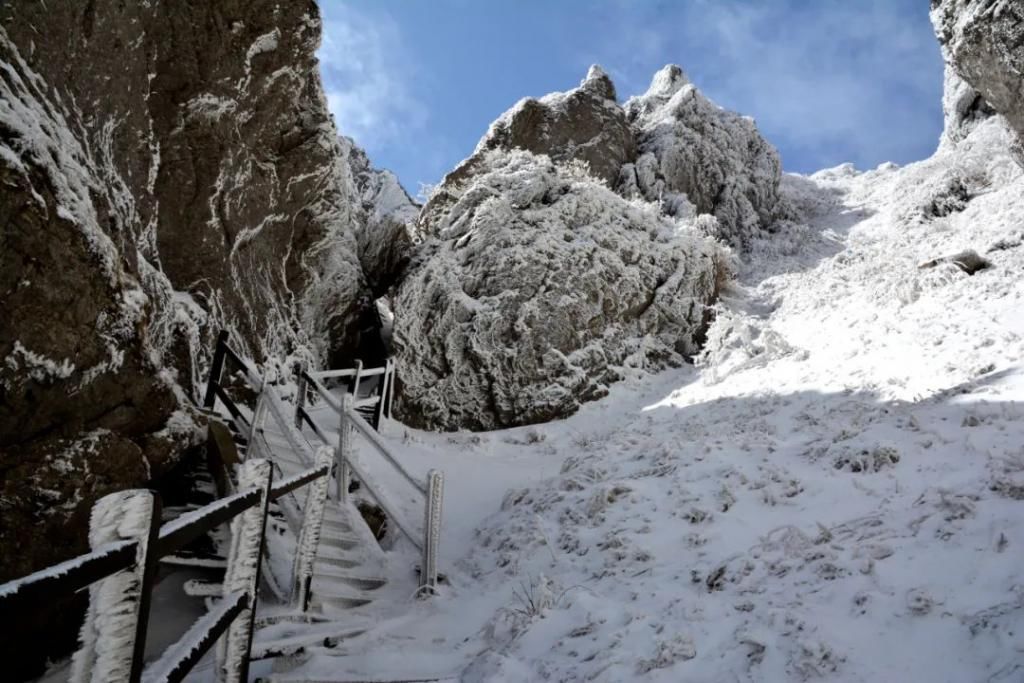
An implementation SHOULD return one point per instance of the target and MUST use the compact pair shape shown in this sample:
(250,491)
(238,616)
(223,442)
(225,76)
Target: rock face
(962,107)
(983,40)
(695,158)
(166,169)
(387,231)
(538,284)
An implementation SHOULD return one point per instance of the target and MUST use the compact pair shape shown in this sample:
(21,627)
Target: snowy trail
(834,494)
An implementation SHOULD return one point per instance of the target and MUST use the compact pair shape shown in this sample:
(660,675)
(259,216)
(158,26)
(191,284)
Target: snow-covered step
(337,541)
(300,643)
(366,583)
(338,600)
(339,562)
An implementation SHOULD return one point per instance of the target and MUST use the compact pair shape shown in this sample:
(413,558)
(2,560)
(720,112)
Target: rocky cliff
(983,41)
(167,169)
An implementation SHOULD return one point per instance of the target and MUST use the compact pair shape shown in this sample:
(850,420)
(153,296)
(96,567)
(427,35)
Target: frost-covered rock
(982,41)
(167,169)
(695,157)
(962,107)
(387,232)
(584,124)
(536,286)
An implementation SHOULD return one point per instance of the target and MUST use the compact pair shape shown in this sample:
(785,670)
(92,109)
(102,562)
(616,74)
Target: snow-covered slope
(835,493)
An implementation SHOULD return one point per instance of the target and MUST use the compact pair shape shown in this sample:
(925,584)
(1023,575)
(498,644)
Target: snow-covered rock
(696,157)
(535,287)
(962,107)
(386,234)
(168,169)
(584,124)
(982,41)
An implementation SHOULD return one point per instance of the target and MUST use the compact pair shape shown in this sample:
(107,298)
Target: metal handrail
(374,438)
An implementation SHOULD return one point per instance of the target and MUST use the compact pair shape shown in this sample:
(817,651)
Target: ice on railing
(12,588)
(107,637)
(242,571)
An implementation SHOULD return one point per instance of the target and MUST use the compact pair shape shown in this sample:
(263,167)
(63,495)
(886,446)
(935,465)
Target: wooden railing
(127,543)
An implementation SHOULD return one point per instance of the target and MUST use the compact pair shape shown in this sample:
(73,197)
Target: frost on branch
(539,284)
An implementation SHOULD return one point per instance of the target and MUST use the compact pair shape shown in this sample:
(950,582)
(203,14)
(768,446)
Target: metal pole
(432,528)
(243,572)
(300,397)
(344,451)
(216,369)
(309,535)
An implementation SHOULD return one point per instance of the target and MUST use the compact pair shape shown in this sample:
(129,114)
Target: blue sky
(417,82)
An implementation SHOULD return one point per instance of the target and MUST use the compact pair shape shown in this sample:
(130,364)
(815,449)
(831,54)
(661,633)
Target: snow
(832,493)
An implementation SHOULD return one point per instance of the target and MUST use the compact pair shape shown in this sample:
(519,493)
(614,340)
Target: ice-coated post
(344,452)
(300,396)
(432,528)
(216,369)
(258,415)
(243,571)
(357,378)
(113,637)
(309,535)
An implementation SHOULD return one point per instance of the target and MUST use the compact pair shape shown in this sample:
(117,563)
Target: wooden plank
(179,532)
(298,481)
(178,660)
(63,579)
(216,368)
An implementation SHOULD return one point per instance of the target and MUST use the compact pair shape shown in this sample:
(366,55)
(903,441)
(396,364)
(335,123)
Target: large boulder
(697,158)
(983,40)
(536,285)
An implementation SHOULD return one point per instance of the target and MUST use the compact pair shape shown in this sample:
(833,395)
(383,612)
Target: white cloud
(367,77)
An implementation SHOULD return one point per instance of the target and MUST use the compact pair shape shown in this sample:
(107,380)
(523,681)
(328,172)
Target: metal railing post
(356,379)
(309,535)
(300,396)
(243,571)
(431,529)
(216,369)
(113,637)
(344,451)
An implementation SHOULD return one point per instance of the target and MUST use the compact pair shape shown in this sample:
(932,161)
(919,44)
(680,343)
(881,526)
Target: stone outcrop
(166,169)
(697,158)
(584,124)
(386,235)
(537,286)
(983,40)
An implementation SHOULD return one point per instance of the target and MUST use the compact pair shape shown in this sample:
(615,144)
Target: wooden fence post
(243,572)
(309,535)
(432,528)
(216,369)
(113,637)
(300,396)
(344,451)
